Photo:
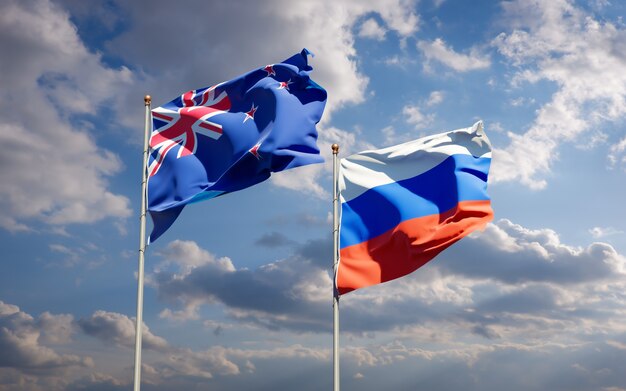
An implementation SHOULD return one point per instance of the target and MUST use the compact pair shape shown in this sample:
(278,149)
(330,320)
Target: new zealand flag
(220,139)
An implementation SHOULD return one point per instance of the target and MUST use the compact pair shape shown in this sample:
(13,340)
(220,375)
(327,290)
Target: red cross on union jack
(182,126)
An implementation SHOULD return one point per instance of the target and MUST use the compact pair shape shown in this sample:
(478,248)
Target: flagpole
(335,148)
(142,247)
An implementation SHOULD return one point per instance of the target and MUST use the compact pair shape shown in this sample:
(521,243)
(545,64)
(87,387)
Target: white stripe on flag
(369,169)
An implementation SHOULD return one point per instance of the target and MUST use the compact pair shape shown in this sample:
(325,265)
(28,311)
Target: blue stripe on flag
(458,178)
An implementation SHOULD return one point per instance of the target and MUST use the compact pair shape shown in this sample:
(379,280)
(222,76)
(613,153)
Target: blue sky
(238,292)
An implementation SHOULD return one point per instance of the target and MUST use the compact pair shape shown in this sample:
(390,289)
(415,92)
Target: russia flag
(403,205)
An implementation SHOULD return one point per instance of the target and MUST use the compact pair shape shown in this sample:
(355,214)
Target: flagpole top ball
(335,148)
(147,99)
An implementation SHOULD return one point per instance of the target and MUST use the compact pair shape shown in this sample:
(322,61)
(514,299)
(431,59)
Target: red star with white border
(285,85)
(250,114)
(255,151)
(270,70)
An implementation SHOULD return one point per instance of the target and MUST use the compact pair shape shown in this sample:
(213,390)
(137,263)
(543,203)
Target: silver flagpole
(142,246)
(335,148)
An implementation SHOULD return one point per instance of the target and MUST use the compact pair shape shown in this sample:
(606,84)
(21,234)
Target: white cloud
(198,364)
(616,154)
(74,255)
(52,170)
(98,381)
(22,340)
(391,137)
(304,179)
(403,62)
(325,28)
(187,255)
(516,254)
(187,365)
(56,329)
(601,232)
(437,50)
(112,327)
(558,42)
(522,101)
(415,117)
(435,98)
(269,296)
(371,29)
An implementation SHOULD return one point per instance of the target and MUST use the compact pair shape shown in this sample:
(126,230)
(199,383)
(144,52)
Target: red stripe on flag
(161,116)
(408,246)
(187,98)
(161,156)
(211,126)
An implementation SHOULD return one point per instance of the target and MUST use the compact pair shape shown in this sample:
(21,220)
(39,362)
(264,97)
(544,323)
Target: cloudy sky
(238,293)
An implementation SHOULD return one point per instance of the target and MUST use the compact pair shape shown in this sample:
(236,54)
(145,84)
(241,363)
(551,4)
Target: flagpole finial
(147,99)
(335,148)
